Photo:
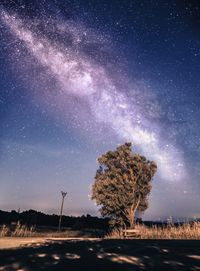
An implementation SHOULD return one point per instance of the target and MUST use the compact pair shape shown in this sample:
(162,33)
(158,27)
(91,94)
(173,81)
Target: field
(167,231)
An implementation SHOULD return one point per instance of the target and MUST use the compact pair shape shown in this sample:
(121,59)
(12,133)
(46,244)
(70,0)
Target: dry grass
(114,234)
(19,231)
(184,231)
(4,231)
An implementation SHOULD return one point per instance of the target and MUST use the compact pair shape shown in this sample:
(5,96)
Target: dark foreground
(108,255)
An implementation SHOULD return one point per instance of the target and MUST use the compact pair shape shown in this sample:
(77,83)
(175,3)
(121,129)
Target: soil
(30,254)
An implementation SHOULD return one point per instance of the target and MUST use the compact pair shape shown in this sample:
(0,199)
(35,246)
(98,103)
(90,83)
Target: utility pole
(61,210)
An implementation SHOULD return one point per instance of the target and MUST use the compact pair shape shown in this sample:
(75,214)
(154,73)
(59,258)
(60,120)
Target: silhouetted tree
(122,184)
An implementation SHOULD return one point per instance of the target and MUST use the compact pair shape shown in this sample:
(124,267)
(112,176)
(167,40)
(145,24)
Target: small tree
(122,184)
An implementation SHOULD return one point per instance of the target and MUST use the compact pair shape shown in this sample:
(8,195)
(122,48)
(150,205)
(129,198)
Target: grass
(18,231)
(170,231)
(21,230)
(184,231)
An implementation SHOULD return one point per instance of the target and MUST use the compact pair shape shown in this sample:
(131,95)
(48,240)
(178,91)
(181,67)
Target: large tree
(122,184)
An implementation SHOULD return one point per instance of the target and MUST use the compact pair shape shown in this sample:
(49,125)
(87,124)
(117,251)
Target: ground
(28,254)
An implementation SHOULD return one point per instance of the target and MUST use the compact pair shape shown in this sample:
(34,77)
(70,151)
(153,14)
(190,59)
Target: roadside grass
(21,230)
(171,231)
(18,231)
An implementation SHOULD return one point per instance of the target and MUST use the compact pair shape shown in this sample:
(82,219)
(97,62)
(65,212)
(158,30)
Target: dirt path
(95,255)
(15,242)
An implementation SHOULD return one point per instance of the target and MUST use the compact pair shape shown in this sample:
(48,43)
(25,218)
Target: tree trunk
(131,214)
(132,220)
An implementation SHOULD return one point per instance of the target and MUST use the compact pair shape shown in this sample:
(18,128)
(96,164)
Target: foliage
(122,184)
(36,218)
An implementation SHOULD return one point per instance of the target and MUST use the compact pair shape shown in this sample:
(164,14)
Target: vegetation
(40,219)
(170,231)
(18,231)
(122,184)
(184,231)
(22,230)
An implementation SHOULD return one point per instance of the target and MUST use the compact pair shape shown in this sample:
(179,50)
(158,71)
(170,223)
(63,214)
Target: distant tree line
(35,218)
(32,217)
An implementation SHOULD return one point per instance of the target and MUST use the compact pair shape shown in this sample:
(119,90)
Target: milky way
(79,75)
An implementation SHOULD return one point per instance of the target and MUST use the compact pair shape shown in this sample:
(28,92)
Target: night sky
(77,78)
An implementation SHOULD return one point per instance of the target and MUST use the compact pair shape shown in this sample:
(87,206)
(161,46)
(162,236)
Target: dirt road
(108,255)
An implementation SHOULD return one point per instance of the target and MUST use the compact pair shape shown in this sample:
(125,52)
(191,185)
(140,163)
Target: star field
(79,78)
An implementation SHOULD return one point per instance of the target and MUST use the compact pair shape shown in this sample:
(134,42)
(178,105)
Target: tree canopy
(122,184)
